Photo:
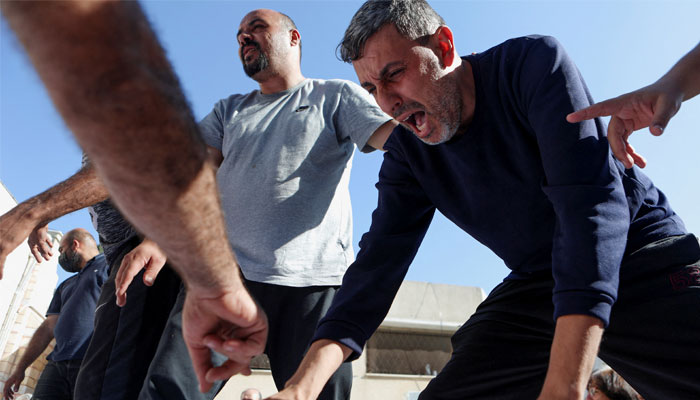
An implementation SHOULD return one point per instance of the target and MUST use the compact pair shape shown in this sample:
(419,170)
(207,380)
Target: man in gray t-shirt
(284,154)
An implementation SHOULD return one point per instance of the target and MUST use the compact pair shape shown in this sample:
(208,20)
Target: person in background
(69,319)
(251,394)
(292,230)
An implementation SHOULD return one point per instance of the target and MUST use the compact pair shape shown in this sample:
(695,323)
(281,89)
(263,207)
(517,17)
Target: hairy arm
(30,217)
(113,85)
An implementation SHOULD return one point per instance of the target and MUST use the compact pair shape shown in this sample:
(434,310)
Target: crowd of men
(500,142)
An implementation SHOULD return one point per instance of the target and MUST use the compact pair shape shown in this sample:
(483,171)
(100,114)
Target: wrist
(298,391)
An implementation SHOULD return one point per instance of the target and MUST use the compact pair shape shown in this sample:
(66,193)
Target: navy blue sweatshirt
(541,193)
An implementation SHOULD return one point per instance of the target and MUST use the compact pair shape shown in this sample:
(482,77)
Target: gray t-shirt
(284,177)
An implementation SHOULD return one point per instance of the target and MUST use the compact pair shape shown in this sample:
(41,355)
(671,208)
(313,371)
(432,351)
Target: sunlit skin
(262,34)
(427,88)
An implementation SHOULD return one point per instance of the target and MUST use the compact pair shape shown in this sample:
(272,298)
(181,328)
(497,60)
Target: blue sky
(617,45)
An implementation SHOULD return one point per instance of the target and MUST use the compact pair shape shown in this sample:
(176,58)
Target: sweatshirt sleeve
(399,224)
(581,181)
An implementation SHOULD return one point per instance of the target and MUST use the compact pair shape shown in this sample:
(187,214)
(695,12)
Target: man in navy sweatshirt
(599,260)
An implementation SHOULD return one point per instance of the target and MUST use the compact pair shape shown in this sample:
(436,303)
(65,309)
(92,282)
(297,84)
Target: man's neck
(281,82)
(467,88)
(88,258)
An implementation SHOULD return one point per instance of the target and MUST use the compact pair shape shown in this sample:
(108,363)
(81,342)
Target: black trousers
(125,339)
(57,380)
(293,314)
(653,339)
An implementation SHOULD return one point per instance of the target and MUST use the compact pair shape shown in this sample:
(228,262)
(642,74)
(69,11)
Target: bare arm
(321,361)
(382,133)
(30,217)
(574,348)
(37,344)
(651,106)
(110,80)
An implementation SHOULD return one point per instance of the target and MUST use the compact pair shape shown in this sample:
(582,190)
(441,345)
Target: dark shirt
(114,230)
(543,194)
(74,302)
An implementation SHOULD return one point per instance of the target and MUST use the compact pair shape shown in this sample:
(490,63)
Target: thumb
(663,112)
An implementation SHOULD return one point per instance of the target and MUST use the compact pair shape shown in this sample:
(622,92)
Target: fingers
(604,108)
(617,137)
(639,160)
(201,361)
(227,370)
(236,350)
(36,253)
(128,269)
(152,270)
(45,247)
(664,110)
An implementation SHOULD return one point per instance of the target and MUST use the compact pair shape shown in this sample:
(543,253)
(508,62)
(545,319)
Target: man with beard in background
(284,155)
(69,319)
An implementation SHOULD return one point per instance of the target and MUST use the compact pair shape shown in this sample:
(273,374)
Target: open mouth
(417,121)
(247,50)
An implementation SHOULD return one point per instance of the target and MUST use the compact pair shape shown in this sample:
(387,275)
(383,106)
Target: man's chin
(436,138)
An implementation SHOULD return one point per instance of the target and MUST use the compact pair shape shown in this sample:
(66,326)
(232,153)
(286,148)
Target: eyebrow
(251,23)
(382,74)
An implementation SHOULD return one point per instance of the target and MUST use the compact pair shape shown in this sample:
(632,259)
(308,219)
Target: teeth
(420,122)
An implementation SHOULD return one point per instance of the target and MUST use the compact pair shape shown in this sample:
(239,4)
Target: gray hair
(414,19)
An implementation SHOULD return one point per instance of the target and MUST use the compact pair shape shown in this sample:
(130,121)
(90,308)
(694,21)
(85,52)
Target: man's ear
(295,37)
(445,45)
(75,245)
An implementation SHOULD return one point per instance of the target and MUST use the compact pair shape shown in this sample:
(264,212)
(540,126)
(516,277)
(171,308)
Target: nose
(389,101)
(243,38)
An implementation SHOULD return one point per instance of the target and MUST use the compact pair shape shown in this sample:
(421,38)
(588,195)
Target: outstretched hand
(229,322)
(652,106)
(147,255)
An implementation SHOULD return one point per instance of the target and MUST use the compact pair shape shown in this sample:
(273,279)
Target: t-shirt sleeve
(211,127)
(55,305)
(399,224)
(582,181)
(358,116)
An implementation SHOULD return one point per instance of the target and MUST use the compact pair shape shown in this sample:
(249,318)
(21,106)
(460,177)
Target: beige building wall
(419,307)
(25,293)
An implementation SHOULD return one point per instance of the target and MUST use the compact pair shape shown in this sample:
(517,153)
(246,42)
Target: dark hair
(612,385)
(414,19)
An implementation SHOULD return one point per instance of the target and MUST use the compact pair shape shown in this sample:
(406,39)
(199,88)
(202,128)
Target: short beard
(257,65)
(446,102)
(69,262)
